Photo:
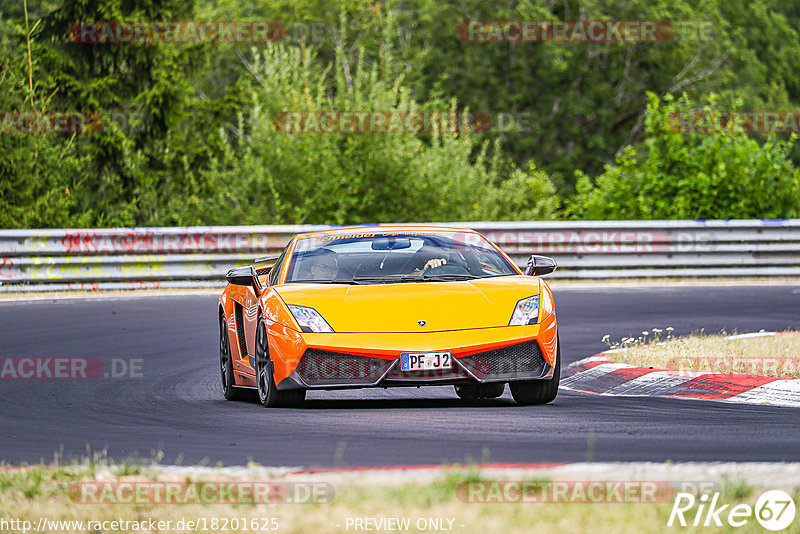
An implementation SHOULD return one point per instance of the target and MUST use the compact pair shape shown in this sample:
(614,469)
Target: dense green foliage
(271,176)
(189,135)
(695,176)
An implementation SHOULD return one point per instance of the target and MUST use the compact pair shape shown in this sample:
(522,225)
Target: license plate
(423,361)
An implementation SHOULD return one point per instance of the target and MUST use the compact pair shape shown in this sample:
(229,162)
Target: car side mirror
(540,265)
(243,276)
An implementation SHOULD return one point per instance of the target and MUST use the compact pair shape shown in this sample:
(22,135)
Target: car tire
(530,392)
(268,393)
(480,391)
(229,388)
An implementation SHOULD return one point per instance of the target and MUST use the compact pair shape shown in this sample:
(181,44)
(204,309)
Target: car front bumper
(362,360)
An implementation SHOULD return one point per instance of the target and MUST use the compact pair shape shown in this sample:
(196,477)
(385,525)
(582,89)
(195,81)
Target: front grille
(324,368)
(522,360)
(240,328)
(427,375)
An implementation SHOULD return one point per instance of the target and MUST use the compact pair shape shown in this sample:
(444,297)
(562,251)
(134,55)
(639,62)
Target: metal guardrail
(121,258)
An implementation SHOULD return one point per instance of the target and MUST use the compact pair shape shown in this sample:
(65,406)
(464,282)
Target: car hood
(457,305)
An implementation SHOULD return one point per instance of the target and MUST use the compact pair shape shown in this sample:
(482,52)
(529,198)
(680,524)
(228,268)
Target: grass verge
(751,354)
(29,494)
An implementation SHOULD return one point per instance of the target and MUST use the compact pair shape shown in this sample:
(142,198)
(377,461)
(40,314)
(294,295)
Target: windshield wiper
(388,278)
(415,278)
(448,277)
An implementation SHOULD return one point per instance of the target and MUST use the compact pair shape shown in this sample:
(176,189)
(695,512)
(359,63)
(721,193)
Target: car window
(276,269)
(395,256)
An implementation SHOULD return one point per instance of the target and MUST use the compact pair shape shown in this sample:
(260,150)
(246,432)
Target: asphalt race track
(175,407)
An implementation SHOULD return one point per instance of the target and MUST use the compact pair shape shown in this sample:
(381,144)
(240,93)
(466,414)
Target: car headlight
(309,319)
(526,312)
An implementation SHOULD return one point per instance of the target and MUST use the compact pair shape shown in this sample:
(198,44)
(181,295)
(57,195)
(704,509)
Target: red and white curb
(598,375)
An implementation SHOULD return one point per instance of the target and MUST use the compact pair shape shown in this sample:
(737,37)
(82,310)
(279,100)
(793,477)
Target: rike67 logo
(774,510)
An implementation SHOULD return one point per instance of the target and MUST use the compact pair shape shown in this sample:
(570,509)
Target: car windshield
(395,257)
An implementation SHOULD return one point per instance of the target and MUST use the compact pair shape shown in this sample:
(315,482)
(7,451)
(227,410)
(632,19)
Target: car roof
(375,229)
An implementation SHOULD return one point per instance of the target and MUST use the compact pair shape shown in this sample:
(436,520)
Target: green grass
(37,491)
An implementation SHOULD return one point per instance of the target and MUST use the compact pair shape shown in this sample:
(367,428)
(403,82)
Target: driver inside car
(325,264)
(428,257)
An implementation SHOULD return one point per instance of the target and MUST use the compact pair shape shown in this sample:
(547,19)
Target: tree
(725,175)
(271,176)
(40,174)
(151,135)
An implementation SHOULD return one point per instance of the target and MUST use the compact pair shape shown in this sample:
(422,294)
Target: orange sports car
(389,306)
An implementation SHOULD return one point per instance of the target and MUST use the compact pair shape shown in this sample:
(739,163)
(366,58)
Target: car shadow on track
(402,404)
